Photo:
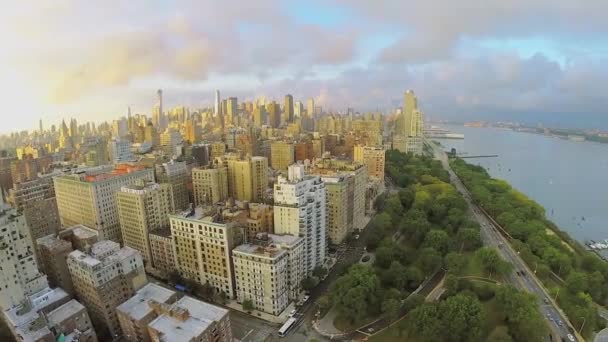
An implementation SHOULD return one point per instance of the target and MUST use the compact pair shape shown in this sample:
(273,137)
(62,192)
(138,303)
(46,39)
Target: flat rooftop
(201,316)
(64,312)
(137,306)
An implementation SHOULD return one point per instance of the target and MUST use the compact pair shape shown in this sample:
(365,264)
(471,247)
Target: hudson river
(569,179)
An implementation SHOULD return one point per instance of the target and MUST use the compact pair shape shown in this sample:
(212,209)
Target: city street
(521,276)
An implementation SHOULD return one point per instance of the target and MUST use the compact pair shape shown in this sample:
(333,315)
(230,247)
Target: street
(521,276)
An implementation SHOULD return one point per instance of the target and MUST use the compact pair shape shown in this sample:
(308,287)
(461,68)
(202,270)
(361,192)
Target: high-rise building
(339,212)
(248,178)
(89,197)
(217,150)
(231,111)
(163,257)
(20,276)
(143,208)
(54,249)
(288,109)
(282,155)
(273,111)
(300,210)
(310,108)
(298,109)
(217,103)
(177,174)
(201,154)
(120,150)
(203,246)
(259,116)
(71,321)
(36,201)
(259,178)
(105,278)
(269,271)
(171,143)
(407,135)
(355,175)
(210,184)
(373,158)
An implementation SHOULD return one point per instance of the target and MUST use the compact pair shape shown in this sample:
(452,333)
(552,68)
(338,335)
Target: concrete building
(143,208)
(120,150)
(288,109)
(54,249)
(373,158)
(260,219)
(269,271)
(163,256)
(203,242)
(89,197)
(37,202)
(137,312)
(216,150)
(300,210)
(105,278)
(20,276)
(73,321)
(171,142)
(282,155)
(356,175)
(210,184)
(189,319)
(339,212)
(248,178)
(178,175)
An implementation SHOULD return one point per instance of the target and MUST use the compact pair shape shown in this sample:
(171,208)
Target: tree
(500,334)
(577,282)
(395,276)
(406,196)
(491,260)
(468,239)
(324,303)
(384,256)
(461,316)
(175,278)
(429,260)
(522,314)
(309,283)
(248,305)
(319,272)
(355,294)
(455,262)
(391,304)
(425,322)
(437,239)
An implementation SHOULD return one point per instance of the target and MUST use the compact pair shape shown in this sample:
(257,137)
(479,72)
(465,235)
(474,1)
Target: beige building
(189,319)
(210,184)
(356,175)
(143,208)
(137,312)
(36,201)
(161,246)
(269,271)
(216,150)
(407,136)
(248,178)
(104,279)
(203,242)
(339,210)
(178,175)
(373,158)
(260,219)
(282,155)
(89,197)
(73,321)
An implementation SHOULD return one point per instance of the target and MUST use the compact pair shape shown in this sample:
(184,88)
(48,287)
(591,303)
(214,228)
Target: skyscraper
(231,111)
(217,103)
(300,210)
(407,135)
(310,108)
(288,109)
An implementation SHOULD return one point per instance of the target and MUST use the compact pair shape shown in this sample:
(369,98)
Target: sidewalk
(325,326)
(280,319)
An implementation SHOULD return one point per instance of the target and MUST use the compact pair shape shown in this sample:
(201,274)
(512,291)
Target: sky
(525,60)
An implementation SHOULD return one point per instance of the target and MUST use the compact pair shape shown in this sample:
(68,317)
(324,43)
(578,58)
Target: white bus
(285,328)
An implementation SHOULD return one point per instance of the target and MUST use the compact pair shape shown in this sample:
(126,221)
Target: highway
(522,277)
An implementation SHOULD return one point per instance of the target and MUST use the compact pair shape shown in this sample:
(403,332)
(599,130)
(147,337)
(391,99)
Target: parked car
(293,313)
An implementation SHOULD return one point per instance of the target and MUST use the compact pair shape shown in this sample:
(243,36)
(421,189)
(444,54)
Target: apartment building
(88,197)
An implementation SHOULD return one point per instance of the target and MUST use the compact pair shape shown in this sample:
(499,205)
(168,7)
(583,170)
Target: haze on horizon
(532,61)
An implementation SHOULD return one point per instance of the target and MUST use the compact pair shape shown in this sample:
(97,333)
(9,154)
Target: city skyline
(494,62)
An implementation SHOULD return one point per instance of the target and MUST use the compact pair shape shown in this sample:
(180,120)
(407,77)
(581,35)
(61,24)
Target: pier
(481,156)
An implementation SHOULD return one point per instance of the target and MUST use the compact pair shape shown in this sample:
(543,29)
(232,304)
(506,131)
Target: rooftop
(137,306)
(200,316)
(270,251)
(64,312)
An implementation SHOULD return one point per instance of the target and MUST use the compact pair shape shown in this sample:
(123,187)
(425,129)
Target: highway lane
(521,277)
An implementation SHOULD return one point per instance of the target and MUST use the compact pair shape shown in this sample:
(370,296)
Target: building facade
(210,184)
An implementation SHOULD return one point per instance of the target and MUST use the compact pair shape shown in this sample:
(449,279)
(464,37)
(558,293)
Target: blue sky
(529,60)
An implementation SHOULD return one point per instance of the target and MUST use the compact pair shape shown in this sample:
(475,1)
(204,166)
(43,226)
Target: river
(568,178)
